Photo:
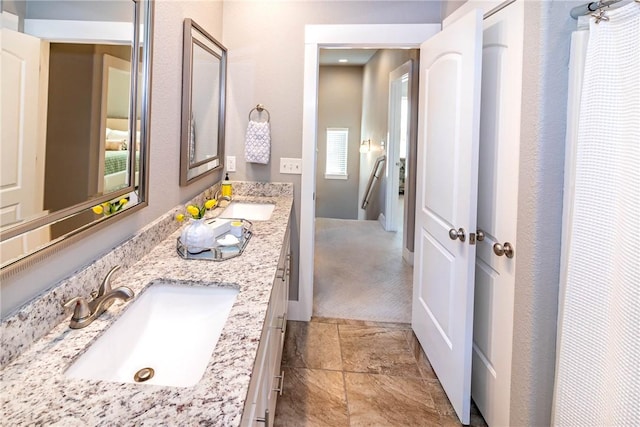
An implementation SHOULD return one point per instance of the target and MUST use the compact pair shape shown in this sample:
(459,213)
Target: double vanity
(199,344)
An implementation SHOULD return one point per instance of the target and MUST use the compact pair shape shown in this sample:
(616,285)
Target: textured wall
(164,191)
(546,44)
(339,105)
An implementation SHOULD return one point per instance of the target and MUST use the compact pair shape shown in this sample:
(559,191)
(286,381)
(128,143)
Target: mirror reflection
(204,67)
(72,128)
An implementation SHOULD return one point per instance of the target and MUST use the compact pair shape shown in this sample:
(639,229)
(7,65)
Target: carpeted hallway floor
(359,272)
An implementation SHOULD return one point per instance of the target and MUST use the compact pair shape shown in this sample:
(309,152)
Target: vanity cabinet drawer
(267,378)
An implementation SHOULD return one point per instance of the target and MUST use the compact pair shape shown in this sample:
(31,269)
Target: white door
(446,196)
(23,148)
(497,212)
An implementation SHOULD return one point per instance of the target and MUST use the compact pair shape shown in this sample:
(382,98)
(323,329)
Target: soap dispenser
(226,189)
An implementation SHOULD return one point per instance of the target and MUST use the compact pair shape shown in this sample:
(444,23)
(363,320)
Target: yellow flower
(193,210)
(210,203)
(123,201)
(180,217)
(97,210)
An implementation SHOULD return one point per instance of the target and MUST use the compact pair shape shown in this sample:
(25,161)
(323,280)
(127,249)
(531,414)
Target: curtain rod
(585,9)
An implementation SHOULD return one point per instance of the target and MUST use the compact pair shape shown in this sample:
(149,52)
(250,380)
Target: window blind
(337,149)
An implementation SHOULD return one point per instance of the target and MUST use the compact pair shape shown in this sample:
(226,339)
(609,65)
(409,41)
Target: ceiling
(354,56)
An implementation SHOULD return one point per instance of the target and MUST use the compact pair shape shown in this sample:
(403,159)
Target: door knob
(459,234)
(479,235)
(506,249)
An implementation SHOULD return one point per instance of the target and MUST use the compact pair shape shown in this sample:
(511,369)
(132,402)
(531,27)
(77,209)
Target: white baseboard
(382,220)
(296,311)
(407,255)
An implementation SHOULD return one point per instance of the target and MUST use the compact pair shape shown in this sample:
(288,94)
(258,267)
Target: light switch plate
(231,163)
(290,166)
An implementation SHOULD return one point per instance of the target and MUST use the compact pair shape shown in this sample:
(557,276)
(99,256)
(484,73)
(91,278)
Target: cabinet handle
(283,326)
(281,385)
(264,420)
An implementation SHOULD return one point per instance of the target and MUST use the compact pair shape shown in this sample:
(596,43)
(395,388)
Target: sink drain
(144,374)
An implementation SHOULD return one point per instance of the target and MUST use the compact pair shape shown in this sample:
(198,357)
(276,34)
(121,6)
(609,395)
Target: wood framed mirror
(204,70)
(75,132)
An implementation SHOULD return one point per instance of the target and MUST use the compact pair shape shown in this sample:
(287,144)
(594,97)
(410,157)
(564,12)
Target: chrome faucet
(86,312)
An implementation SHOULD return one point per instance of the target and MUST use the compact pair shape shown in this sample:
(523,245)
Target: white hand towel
(257,148)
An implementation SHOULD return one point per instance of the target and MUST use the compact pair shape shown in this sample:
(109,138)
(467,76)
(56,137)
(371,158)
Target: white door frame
(387,36)
(393,150)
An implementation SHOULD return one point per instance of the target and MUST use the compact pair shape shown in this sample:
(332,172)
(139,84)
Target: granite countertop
(34,390)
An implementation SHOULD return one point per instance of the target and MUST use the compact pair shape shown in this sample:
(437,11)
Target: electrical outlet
(290,166)
(231,163)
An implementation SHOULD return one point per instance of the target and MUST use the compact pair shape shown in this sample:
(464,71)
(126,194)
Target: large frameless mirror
(203,104)
(75,119)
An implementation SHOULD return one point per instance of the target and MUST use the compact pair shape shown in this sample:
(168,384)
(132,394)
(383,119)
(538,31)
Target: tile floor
(358,373)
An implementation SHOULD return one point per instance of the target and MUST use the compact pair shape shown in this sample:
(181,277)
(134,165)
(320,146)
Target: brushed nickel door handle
(506,249)
(457,234)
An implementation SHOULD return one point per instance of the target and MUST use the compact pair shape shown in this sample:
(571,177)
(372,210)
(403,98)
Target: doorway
(346,36)
(363,114)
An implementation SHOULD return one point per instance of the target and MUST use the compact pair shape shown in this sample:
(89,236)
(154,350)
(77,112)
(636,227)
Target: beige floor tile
(312,345)
(421,358)
(440,399)
(383,400)
(312,398)
(388,379)
(449,417)
(376,350)
(391,325)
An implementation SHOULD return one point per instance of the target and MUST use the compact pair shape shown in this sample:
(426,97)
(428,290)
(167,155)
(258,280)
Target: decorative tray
(221,251)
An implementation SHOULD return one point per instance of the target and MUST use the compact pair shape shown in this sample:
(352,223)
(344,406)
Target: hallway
(353,373)
(359,272)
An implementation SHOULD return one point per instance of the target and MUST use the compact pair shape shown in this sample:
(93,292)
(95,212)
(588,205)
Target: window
(337,147)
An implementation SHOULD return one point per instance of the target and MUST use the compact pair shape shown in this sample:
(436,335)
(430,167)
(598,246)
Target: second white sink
(172,329)
(250,211)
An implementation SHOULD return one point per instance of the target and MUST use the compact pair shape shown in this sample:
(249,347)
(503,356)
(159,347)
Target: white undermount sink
(250,211)
(170,328)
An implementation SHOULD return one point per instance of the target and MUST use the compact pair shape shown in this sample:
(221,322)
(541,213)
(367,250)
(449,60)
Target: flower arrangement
(197,211)
(108,208)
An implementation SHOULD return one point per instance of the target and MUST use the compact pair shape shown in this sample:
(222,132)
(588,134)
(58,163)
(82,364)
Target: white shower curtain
(598,357)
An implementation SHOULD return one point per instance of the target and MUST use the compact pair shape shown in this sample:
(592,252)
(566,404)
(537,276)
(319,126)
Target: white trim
(317,36)
(103,32)
(308,184)
(393,149)
(296,311)
(382,220)
(407,255)
(329,176)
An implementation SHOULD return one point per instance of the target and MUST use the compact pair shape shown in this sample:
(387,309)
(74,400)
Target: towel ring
(260,108)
